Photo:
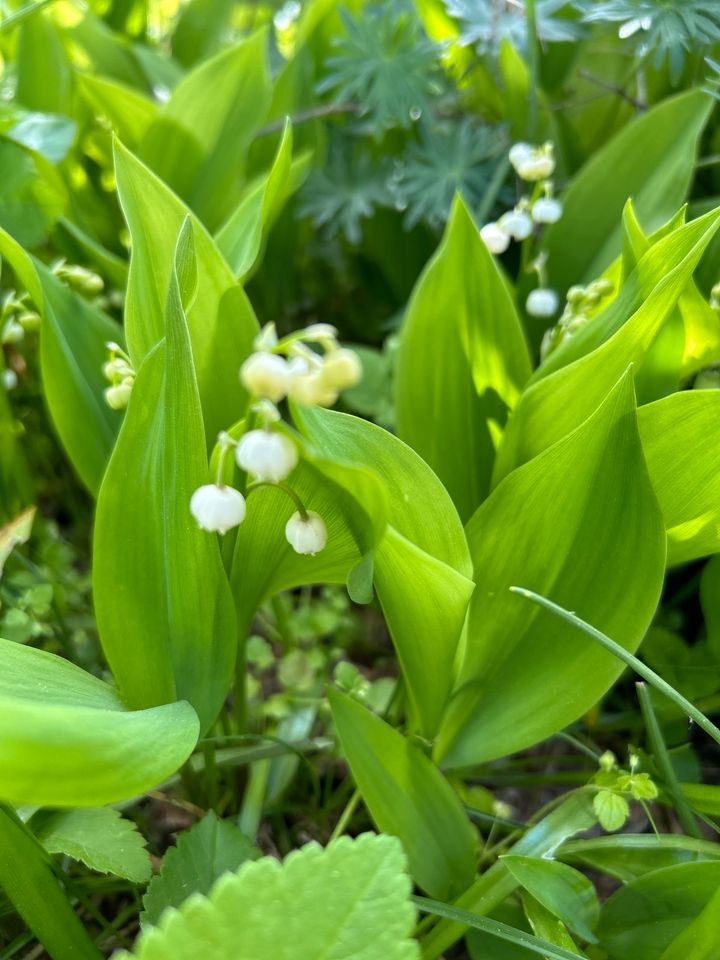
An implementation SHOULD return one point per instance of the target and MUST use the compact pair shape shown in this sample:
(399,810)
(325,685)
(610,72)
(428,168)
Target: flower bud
(118,397)
(117,367)
(542,302)
(495,238)
(519,152)
(265,375)
(308,536)
(267,455)
(517,223)
(546,210)
(13,332)
(537,167)
(217,509)
(307,383)
(341,369)
(9,379)
(29,320)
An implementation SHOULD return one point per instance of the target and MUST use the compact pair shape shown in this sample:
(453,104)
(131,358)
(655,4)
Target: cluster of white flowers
(580,302)
(119,372)
(534,165)
(276,370)
(16,320)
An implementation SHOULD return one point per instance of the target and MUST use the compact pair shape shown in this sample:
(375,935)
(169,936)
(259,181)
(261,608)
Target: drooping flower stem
(300,506)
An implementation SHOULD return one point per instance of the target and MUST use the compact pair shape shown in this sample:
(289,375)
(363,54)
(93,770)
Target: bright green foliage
(700,940)
(611,808)
(163,604)
(630,855)
(462,363)
(349,901)
(15,532)
(203,853)
(651,161)
(565,892)
(67,740)
(546,924)
(408,797)
(129,111)
(641,920)
(553,522)
(101,838)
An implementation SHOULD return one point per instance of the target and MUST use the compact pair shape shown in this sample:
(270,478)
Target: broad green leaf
(198,143)
(129,111)
(650,160)
(496,884)
(565,892)
(67,740)
(200,28)
(241,236)
(554,522)
(700,940)
(44,80)
(163,603)
(483,946)
(679,437)
(221,322)
(546,925)
(33,195)
(101,838)
(461,364)
(421,565)
(72,352)
(642,918)
(15,532)
(550,408)
(408,797)
(710,602)
(28,879)
(349,901)
(627,855)
(704,797)
(203,853)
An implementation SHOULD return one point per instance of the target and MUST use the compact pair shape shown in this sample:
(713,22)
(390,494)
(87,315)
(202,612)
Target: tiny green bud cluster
(80,278)
(616,787)
(119,372)
(581,303)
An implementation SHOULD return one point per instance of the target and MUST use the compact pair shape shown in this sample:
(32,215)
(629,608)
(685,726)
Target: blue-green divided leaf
(553,406)
(642,918)
(163,603)
(554,523)
(679,437)
(350,901)
(462,363)
(72,352)
(565,892)
(408,797)
(221,322)
(627,856)
(203,853)
(198,143)
(99,837)
(241,236)
(67,740)
(651,160)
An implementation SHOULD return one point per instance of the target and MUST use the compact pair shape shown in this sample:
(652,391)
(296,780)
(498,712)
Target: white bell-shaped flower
(118,397)
(9,379)
(538,167)
(519,152)
(217,508)
(547,210)
(267,455)
(341,369)
(306,535)
(307,383)
(265,375)
(517,223)
(542,302)
(495,238)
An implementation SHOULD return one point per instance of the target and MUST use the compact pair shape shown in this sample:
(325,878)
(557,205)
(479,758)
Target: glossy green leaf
(163,603)
(242,235)
(72,352)
(221,322)
(641,920)
(628,855)
(408,797)
(49,135)
(679,441)
(554,522)
(129,112)
(546,925)
(44,80)
(33,196)
(67,740)
(197,144)
(462,362)
(700,940)
(650,160)
(710,602)
(551,407)
(14,532)
(349,901)
(29,881)
(565,892)
(203,853)
(704,797)
(100,837)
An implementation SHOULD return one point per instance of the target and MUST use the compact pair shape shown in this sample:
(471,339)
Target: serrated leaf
(164,607)
(349,901)
(67,740)
(555,520)
(203,853)
(611,809)
(101,838)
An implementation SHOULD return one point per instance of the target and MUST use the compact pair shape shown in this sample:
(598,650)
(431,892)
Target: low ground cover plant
(359,480)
